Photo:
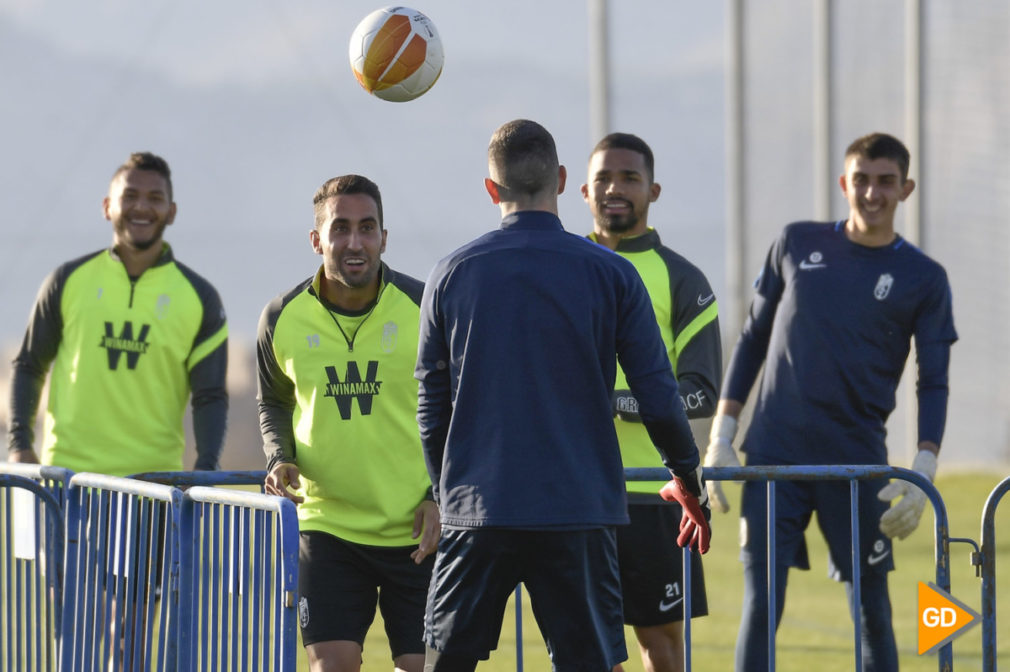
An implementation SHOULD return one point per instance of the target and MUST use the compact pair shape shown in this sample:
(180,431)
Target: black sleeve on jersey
(38,350)
(276,392)
(412,287)
(699,363)
(210,407)
(208,379)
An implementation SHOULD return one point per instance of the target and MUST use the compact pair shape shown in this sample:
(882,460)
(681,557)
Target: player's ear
(314,240)
(105,208)
(654,190)
(492,190)
(562,177)
(171,214)
(843,185)
(907,188)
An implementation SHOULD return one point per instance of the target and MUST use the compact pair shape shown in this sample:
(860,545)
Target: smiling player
(130,334)
(619,190)
(834,312)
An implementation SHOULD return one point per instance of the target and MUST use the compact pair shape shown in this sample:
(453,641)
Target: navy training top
(516,362)
(832,321)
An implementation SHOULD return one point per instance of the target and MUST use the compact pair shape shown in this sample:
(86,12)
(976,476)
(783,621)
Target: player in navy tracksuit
(834,312)
(516,364)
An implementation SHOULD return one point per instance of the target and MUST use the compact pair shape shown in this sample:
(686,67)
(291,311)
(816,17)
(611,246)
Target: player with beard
(338,408)
(130,334)
(619,190)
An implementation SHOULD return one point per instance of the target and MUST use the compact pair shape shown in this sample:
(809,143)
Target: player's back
(533,317)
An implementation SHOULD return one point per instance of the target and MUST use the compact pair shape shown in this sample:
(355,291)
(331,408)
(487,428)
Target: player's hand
(282,480)
(720,453)
(625,406)
(428,527)
(902,518)
(27,456)
(693,499)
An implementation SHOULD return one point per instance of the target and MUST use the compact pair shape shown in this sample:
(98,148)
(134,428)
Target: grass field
(816,632)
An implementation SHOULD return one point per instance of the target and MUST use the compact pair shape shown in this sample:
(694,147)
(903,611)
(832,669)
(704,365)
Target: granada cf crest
(883,287)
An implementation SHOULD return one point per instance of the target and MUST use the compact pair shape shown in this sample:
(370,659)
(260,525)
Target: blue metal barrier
(31,556)
(988,557)
(852,473)
(122,575)
(185,479)
(239,581)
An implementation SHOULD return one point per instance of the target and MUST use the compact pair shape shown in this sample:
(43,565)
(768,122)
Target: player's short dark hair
(524,158)
(629,142)
(345,184)
(147,161)
(881,146)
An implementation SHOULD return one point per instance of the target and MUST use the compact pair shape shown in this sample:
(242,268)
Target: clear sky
(254,106)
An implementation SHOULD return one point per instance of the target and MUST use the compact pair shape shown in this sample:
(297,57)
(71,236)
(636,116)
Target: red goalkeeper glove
(694,529)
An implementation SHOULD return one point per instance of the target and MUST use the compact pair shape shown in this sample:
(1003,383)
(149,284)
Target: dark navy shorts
(652,567)
(795,503)
(571,577)
(339,583)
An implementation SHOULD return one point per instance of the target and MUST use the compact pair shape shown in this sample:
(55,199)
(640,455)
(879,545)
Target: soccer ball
(396,53)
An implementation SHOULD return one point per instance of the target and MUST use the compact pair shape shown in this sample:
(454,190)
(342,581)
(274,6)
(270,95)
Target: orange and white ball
(396,53)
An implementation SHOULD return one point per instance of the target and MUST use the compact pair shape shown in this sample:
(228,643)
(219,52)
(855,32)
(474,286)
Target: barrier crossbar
(121,590)
(239,581)
(851,473)
(185,479)
(31,555)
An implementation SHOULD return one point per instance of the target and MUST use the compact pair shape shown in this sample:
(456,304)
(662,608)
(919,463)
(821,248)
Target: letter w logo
(115,346)
(352,387)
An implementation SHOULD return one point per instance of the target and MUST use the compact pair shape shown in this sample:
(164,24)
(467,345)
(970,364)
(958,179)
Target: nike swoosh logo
(702,300)
(663,606)
(807,266)
(874,559)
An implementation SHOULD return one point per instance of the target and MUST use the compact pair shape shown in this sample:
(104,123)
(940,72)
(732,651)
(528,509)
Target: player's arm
(696,352)
(646,365)
(208,372)
(932,391)
(744,366)
(434,394)
(276,403)
(697,344)
(30,366)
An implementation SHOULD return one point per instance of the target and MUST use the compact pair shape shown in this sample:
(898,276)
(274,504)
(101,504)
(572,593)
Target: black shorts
(571,577)
(652,566)
(339,583)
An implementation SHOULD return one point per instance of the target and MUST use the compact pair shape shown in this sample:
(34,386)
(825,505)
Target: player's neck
(869,236)
(136,260)
(351,299)
(611,239)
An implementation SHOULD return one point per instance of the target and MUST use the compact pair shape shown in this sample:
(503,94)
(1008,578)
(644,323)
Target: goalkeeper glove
(693,499)
(720,453)
(902,518)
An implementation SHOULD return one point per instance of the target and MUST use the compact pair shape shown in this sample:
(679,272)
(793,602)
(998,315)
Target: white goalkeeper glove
(902,518)
(720,453)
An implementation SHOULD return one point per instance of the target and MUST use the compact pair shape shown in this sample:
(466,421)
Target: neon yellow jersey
(341,403)
(123,352)
(687,313)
